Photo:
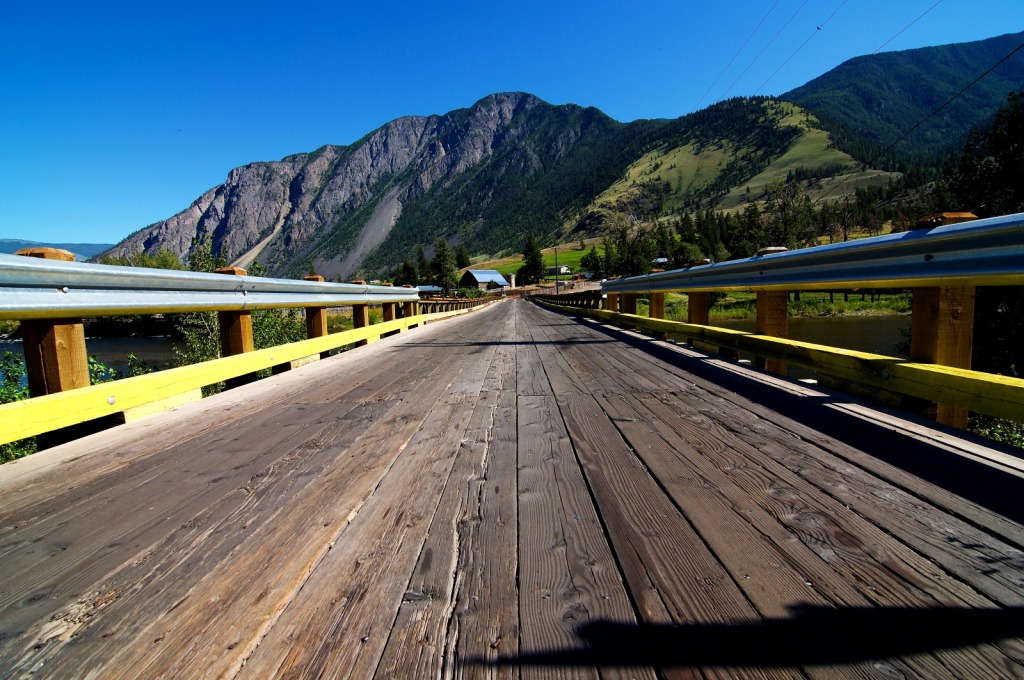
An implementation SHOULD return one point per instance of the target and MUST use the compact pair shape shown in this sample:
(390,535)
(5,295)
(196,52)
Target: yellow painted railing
(38,415)
(994,395)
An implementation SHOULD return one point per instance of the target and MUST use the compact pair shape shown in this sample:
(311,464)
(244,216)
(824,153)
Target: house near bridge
(484,279)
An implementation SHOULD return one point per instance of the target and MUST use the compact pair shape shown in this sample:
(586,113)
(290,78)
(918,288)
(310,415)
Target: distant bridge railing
(942,262)
(50,295)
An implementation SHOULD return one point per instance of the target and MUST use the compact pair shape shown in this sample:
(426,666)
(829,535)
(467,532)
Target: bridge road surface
(514,493)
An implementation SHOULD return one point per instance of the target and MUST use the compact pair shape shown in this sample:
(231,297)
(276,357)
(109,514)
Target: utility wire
(765,48)
(930,115)
(817,30)
(902,30)
(752,33)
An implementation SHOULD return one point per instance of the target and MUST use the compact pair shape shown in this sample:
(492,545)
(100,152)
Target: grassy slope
(567,255)
(682,168)
(811,150)
(687,166)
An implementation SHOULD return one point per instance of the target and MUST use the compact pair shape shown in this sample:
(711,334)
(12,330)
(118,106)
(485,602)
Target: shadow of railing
(811,636)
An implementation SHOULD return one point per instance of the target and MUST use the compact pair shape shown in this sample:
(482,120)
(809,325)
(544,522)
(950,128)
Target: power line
(752,33)
(901,31)
(817,29)
(930,115)
(800,9)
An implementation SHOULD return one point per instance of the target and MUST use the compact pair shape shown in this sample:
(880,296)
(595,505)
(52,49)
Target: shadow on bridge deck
(508,493)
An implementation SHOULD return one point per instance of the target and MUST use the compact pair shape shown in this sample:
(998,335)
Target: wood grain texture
(511,494)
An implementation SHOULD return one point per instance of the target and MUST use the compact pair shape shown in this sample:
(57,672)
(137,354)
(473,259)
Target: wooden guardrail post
(56,359)
(409,309)
(389,312)
(773,320)
(629,303)
(611,303)
(697,311)
(316,317)
(235,332)
(55,355)
(942,324)
(656,310)
(360,315)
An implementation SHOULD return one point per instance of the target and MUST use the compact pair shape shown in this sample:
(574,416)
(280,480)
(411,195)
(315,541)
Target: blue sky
(117,115)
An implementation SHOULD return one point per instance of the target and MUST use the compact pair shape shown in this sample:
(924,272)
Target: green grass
(811,150)
(744,305)
(568,254)
(681,167)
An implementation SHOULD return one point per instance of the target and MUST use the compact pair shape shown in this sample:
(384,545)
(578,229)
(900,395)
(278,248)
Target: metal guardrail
(987,252)
(35,288)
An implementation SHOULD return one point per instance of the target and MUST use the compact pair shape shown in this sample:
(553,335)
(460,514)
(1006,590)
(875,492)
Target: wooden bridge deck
(513,493)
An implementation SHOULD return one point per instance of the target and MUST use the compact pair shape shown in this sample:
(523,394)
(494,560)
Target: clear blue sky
(116,115)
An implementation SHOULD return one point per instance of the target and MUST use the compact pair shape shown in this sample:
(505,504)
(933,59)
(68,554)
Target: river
(114,352)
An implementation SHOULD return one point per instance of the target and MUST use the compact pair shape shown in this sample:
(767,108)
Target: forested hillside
(867,103)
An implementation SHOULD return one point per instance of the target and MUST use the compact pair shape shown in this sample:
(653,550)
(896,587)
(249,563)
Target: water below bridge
(508,494)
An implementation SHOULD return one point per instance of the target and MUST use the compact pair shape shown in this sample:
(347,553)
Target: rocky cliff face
(323,206)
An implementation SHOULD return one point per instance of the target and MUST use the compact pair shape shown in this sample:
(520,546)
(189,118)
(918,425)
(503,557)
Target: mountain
(511,164)
(82,251)
(334,207)
(869,102)
(483,176)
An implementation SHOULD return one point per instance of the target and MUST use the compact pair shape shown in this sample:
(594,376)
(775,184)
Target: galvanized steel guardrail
(35,288)
(987,252)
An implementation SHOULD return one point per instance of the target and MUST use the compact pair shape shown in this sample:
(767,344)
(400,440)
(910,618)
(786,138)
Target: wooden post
(656,310)
(773,320)
(389,312)
(360,315)
(612,302)
(942,325)
(942,332)
(316,318)
(55,355)
(657,306)
(409,309)
(235,332)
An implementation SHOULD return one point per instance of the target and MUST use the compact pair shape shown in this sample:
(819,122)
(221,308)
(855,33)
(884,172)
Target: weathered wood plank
(419,642)
(670,569)
(710,438)
(568,576)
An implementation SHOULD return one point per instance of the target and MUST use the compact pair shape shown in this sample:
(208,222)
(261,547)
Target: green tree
(591,262)
(163,259)
(634,251)
(442,267)
(609,256)
(422,264)
(532,270)
(407,274)
(461,257)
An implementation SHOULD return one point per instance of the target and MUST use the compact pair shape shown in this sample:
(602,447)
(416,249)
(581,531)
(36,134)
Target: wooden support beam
(56,359)
(612,302)
(772,320)
(316,318)
(942,326)
(697,310)
(629,303)
(656,310)
(55,356)
(942,332)
(235,332)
